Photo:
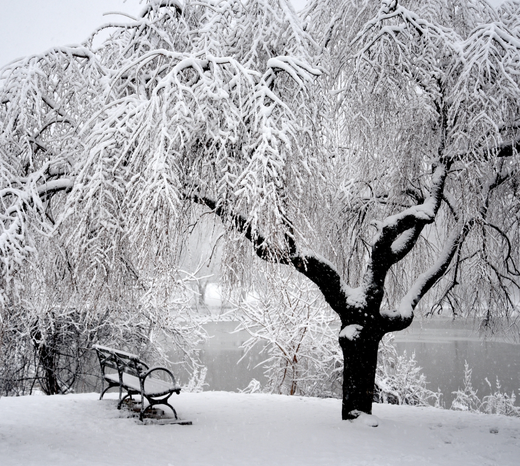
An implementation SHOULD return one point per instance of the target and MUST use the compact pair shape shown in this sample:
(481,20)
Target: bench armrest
(144,375)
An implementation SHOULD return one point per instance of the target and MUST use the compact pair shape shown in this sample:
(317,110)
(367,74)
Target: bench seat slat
(106,349)
(112,377)
(156,387)
(152,386)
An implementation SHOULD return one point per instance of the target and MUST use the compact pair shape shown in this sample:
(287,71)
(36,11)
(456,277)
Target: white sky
(33,26)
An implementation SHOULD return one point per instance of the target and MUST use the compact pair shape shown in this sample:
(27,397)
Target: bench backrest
(121,361)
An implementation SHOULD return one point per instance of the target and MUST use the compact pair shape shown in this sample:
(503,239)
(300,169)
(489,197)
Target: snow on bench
(136,378)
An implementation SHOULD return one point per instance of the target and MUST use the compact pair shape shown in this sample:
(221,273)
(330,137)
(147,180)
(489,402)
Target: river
(441,348)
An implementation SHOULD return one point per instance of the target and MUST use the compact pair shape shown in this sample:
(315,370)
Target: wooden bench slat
(112,377)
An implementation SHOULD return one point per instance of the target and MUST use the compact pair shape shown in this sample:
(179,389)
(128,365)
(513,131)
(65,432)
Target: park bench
(156,385)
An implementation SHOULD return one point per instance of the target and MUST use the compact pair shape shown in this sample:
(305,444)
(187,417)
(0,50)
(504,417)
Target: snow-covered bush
(399,379)
(497,402)
(298,333)
(51,348)
(197,381)
(500,403)
(467,398)
(46,341)
(253,387)
(16,373)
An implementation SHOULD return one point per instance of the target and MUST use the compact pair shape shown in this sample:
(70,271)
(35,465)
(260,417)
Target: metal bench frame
(134,376)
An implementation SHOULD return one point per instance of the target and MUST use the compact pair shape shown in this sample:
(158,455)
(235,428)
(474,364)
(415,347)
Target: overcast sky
(33,26)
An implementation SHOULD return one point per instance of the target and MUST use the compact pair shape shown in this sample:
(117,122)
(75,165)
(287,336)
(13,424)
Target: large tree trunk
(49,382)
(46,359)
(359,372)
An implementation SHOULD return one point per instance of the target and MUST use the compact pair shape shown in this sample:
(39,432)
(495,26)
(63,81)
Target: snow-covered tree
(425,129)
(371,146)
(295,332)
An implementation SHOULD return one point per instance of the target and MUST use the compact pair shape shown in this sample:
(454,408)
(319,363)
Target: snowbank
(240,429)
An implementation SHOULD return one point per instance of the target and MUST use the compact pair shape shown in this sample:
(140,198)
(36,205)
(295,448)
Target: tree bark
(359,373)
(49,382)
(46,357)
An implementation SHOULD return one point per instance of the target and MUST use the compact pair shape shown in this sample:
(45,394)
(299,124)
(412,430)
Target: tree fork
(359,347)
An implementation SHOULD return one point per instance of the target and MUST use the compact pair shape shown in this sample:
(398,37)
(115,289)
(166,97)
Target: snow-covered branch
(398,233)
(428,279)
(317,269)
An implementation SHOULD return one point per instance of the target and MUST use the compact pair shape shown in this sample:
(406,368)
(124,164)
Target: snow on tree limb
(402,106)
(428,279)
(300,134)
(320,271)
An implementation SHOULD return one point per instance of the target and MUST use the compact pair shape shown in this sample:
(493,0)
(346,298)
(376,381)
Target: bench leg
(128,395)
(152,403)
(173,409)
(104,390)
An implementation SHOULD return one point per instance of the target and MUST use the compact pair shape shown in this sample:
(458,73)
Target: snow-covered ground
(248,430)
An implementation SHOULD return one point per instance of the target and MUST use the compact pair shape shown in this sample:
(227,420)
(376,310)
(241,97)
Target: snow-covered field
(240,429)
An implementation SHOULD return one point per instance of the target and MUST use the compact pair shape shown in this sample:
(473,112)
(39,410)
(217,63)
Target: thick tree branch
(240,224)
(315,268)
(451,203)
(426,280)
(399,233)
(49,188)
(328,280)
